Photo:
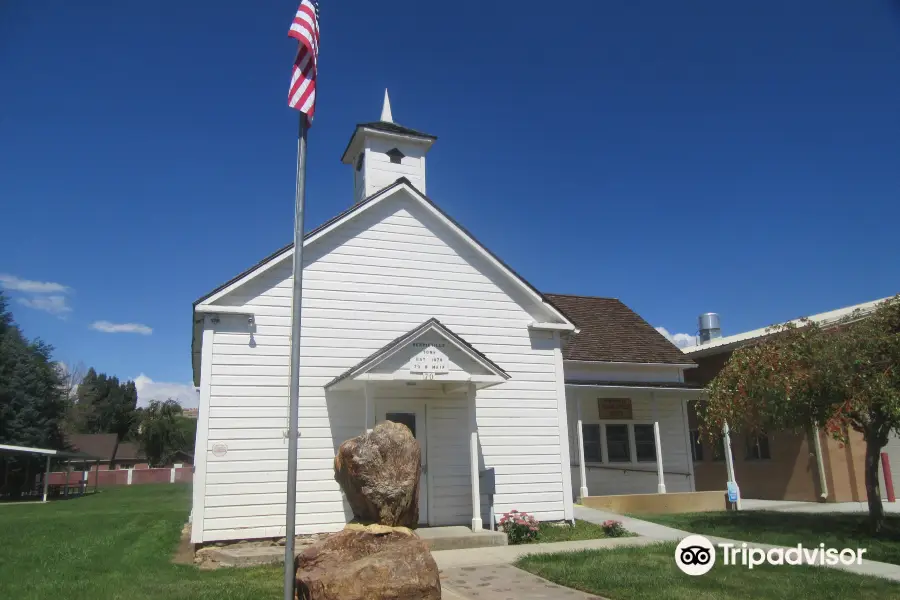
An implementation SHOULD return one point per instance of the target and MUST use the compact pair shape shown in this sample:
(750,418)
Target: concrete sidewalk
(815,507)
(506,555)
(638,526)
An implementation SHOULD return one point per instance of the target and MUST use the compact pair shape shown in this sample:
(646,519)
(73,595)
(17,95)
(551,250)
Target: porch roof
(648,385)
(495,374)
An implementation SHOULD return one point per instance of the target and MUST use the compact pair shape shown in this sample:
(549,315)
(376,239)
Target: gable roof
(129,451)
(324,228)
(609,331)
(363,204)
(101,445)
(431,324)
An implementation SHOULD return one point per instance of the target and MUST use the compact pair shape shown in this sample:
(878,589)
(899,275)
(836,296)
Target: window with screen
(644,443)
(618,448)
(696,446)
(591,436)
(758,447)
(719,450)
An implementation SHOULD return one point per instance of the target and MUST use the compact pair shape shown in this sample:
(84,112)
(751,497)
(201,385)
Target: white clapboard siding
(366,283)
(642,479)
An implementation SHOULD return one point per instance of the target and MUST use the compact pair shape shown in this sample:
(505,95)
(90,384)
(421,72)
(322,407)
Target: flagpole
(294,413)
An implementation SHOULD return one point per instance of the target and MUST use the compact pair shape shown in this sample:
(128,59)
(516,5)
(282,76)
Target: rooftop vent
(710,327)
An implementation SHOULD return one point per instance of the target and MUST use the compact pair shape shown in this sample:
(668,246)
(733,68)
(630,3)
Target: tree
(845,376)
(188,427)
(161,437)
(104,405)
(32,402)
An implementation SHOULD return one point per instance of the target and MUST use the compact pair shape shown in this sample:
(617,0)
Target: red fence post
(888,481)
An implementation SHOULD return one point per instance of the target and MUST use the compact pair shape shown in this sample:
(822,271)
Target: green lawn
(836,530)
(115,545)
(650,572)
(582,530)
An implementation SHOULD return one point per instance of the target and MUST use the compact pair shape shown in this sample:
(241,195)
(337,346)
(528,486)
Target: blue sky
(684,157)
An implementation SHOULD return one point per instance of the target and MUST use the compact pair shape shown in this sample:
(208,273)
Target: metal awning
(48,452)
(66,455)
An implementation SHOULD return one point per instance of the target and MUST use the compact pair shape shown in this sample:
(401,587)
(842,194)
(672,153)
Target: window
(359,162)
(719,450)
(696,446)
(644,443)
(395,155)
(758,447)
(618,448)
(591,436)
(408,419)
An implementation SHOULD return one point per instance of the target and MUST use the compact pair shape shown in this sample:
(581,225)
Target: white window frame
(632,445)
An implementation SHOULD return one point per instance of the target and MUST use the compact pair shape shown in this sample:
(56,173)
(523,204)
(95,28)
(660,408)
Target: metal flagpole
(296,301)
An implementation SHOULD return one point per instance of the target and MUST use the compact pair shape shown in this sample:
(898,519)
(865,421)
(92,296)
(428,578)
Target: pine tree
(32,400)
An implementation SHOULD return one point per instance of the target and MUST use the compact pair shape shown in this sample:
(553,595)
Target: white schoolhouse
(407,317)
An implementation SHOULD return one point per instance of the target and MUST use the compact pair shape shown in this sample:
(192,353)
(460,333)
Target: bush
(519,527)
(613,528)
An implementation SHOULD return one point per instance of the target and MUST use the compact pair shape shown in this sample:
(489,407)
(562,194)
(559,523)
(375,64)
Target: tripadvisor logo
(696,555)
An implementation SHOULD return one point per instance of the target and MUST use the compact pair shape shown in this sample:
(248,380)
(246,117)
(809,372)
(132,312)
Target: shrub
(613,528)
(519,527)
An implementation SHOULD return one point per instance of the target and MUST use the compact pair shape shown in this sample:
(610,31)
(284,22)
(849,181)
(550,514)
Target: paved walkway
(815,507)
(502,582)
(506,555)
(487,574)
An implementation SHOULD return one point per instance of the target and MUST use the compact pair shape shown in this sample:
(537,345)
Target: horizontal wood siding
(606,479)
(368,282)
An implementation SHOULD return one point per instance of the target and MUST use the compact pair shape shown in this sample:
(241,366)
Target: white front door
(412,414)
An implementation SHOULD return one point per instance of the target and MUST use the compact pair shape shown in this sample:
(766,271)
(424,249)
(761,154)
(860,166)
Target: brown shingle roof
(101,445)
(129,451)
(609,331)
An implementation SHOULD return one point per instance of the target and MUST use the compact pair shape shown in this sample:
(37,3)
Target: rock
(379,473)
(365,563)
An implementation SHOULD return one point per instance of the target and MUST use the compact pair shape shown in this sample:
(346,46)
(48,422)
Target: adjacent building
(780,465)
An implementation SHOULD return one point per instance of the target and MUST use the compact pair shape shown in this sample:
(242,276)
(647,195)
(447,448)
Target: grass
(650,572)
(835,530)
(116,545)
(566,533)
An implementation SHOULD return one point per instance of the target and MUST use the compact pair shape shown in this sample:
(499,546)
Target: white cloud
(107,327)
(55,305)
(682,340)
(184,393)
(11,282)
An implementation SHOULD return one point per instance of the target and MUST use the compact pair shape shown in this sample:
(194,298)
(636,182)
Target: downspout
(820,464)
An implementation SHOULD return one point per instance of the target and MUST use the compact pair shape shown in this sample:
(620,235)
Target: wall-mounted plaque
(429,359)
(219,449)
(614,408)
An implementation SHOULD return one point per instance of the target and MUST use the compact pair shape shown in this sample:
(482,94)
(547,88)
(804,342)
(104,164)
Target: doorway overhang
(430,354)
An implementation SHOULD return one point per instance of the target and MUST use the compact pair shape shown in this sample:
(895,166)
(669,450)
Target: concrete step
(248,557)
(437,538)
(459,538)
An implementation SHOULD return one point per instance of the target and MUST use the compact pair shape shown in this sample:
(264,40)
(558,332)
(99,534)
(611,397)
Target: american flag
(305,29)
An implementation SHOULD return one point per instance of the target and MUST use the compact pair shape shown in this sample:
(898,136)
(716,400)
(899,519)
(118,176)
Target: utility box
(487,482)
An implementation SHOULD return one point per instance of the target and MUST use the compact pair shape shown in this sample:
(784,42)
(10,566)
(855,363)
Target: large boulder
(365,563)
(379,473)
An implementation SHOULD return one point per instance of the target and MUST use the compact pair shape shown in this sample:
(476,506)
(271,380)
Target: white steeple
(381,152)
(386,115)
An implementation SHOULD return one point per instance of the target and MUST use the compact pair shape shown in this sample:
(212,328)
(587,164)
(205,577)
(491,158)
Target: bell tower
(381,152)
